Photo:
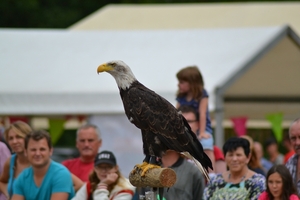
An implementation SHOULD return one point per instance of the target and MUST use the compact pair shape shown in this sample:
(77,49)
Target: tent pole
(219,116)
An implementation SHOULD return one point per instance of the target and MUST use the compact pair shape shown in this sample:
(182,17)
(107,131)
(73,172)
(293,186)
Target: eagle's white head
(120,71)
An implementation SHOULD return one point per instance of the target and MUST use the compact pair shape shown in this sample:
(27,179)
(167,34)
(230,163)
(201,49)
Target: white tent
(250,98)
(247,71)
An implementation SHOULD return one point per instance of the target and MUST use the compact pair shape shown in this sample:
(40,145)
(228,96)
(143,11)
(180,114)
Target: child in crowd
(191,92)
(106,181)
(279,185)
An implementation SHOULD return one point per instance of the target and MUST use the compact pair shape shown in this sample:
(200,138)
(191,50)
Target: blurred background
(247,51)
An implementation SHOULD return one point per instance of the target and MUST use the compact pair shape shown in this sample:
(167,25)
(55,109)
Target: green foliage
(45,13)
(67,139)
(64,13)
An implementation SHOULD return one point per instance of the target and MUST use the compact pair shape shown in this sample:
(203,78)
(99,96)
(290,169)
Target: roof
(191,16)
(266,82)
(53,72)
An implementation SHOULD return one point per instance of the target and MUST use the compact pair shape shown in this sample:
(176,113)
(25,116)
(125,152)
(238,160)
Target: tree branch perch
(154,177)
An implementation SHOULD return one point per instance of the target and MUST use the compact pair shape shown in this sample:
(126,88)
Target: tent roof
(54,71)
(195,15)
(266,83)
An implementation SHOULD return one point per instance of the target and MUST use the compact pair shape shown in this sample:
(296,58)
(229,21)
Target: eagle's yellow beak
(104,67)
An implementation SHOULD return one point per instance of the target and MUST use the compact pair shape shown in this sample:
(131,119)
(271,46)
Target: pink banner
(239,125)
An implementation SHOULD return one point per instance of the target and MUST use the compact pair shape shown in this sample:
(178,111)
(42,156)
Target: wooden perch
(154,177)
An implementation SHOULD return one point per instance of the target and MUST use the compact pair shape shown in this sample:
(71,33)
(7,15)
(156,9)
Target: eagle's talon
(144,167)
(147,167)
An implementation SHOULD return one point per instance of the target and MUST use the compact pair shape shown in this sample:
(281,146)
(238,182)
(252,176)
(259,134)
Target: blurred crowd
(242,168)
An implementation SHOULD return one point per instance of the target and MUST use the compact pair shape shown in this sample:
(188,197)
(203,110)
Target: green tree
(46,13)
(64,13)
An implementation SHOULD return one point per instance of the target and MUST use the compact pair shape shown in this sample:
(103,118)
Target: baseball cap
(106,157)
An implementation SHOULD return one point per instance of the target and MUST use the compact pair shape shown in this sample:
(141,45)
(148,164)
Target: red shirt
(81,169)
(288,155)
(264,196)
(218,153)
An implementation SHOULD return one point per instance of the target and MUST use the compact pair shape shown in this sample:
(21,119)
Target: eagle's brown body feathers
(162,127)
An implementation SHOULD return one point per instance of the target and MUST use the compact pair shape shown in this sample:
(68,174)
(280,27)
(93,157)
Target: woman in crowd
(239,182)
(15,136)
(106,181)
(279,185)
(254,162)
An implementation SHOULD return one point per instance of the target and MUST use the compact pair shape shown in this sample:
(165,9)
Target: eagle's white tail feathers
(198,164)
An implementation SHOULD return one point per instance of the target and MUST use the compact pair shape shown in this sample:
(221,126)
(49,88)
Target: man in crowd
(287,144)
(260,156)
(189,180)
(293,164)
(275,156)
(192,117)
(45,179)
(88,142)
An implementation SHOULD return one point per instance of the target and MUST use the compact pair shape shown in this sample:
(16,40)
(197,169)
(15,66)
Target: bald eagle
(162,127)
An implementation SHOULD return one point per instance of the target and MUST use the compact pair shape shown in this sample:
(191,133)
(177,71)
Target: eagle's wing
(152,113)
